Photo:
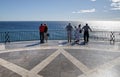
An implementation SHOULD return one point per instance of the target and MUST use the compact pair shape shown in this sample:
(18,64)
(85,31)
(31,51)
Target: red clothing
(46,29)
(42,28)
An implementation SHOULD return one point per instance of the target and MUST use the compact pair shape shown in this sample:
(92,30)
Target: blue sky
(59,10)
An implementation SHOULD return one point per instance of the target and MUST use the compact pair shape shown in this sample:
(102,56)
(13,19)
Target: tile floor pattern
(60,62)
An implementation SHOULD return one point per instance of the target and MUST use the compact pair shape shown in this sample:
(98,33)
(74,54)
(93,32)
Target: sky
(59,10)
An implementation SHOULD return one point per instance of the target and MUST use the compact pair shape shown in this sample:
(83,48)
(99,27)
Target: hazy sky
(59,10)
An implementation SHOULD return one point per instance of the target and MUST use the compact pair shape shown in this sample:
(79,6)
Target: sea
(56,28)
(55,25)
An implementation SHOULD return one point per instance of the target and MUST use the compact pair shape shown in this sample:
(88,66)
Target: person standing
(80,31)
(76,35)
(69,29)
(46,32)
(41,31)
(86,29)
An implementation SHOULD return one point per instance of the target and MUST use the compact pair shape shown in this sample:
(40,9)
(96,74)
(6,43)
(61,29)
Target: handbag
(48,34)
(80,31)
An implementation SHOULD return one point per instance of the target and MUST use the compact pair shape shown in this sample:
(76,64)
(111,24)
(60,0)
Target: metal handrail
(12,36)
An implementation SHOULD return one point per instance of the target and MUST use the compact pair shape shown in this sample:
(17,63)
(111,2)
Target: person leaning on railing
(69,30)
(86,29)
(46,32)
(41,30)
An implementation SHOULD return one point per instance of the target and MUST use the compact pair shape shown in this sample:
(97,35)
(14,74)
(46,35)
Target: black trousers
(86,36)
(41,37)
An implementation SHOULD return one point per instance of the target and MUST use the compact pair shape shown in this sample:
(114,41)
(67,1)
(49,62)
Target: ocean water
(30,25)
(57,25)
(29,30)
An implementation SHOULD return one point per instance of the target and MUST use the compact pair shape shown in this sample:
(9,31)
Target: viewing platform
(22,55)
(57,58)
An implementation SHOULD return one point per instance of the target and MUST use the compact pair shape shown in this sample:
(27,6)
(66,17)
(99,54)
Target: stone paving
(60,59)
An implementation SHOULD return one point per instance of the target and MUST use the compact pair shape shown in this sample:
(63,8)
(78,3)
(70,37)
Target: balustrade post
(112,38)
(7,37)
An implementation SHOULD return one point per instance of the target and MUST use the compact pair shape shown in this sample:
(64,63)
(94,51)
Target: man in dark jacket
(86,29)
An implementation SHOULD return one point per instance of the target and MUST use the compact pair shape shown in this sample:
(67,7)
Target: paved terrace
(59,59)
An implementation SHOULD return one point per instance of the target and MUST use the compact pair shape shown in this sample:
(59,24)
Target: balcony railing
(12,36)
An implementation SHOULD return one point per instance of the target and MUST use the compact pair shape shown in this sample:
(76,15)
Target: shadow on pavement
(32,45)
(81,43)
